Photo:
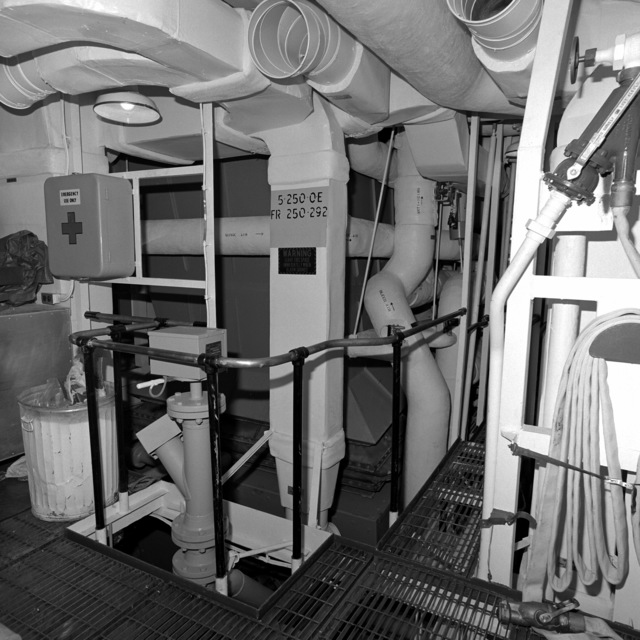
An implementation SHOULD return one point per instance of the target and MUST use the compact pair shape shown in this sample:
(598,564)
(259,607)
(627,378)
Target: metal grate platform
(65,590)
(395,599)
(53,587)
(320,587)
(441,526)
(22,534)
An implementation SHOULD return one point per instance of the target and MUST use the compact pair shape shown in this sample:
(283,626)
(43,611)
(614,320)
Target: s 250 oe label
(299,217)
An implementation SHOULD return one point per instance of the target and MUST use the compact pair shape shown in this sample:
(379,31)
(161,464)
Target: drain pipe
(193,529)
(386,302)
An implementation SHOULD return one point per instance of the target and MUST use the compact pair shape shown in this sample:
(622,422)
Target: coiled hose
(577,516)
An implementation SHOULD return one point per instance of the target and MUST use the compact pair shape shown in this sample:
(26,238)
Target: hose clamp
(627,486)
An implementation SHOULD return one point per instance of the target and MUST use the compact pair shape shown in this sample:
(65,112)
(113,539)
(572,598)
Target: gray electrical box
(89,226)
(192,340)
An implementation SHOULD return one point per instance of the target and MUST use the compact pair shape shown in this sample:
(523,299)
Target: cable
(577,518)
(385,176)
(434,308)
(622,227)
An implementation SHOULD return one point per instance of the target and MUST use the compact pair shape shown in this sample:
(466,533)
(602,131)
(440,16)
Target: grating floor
(441,527)
(53,587)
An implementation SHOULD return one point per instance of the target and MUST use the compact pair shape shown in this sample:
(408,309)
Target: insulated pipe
(447,359)
(386,303)
(370,159)
(250,236)
(415,31)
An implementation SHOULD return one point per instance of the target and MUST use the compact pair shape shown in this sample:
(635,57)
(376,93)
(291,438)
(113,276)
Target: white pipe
(450,301)
(538,231)
(477,285)
(416,31)
(386,303)
(249,236)
(370,159)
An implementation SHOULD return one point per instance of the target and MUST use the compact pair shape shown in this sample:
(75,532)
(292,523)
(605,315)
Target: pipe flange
(581,189)
(196,566)
(187,536)
(183,406)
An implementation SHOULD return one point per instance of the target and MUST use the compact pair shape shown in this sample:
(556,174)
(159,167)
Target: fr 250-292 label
(299,217)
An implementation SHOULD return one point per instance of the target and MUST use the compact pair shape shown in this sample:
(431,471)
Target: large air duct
(504,33)
(423,43)
(505,30)
(193,44)
(294,38)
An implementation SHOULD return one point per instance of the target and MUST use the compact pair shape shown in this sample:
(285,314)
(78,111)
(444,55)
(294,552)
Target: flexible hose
(577,513)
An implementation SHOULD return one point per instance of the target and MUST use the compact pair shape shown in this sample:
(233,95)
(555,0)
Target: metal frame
(136,177)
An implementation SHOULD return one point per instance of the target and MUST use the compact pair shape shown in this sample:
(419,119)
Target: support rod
(121,431)
(213,400)
(299,356)
(396,453)
(94,443)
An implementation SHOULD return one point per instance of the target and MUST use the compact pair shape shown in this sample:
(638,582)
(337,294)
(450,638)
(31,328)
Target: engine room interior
(321,319)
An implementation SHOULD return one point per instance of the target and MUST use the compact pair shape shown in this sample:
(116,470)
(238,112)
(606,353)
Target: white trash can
(56,445)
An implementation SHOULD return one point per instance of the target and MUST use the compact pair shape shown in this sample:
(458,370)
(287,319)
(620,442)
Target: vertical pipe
(477,285)
(396,454)
(123,476)
(296,553)
(218,505)
(94,443)
(208,186)
(490,272)
(456,429)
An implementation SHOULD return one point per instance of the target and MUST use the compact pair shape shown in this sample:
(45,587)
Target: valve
(560,617)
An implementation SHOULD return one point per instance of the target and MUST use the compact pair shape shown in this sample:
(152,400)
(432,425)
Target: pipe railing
(212,364)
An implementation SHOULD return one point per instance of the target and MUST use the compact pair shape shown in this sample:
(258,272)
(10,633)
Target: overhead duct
(294,38)
(504,38)
(505,30)
(190,44)
(423,42)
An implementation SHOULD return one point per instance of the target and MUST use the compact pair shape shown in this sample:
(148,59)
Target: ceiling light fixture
(126,107)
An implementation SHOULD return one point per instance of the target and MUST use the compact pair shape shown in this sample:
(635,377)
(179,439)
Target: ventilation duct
(293,38)
(504,33)
(158,42)
(423,43)
(505,29)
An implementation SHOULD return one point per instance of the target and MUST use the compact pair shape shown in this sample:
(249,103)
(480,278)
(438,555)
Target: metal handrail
(90,338)
(88,341)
